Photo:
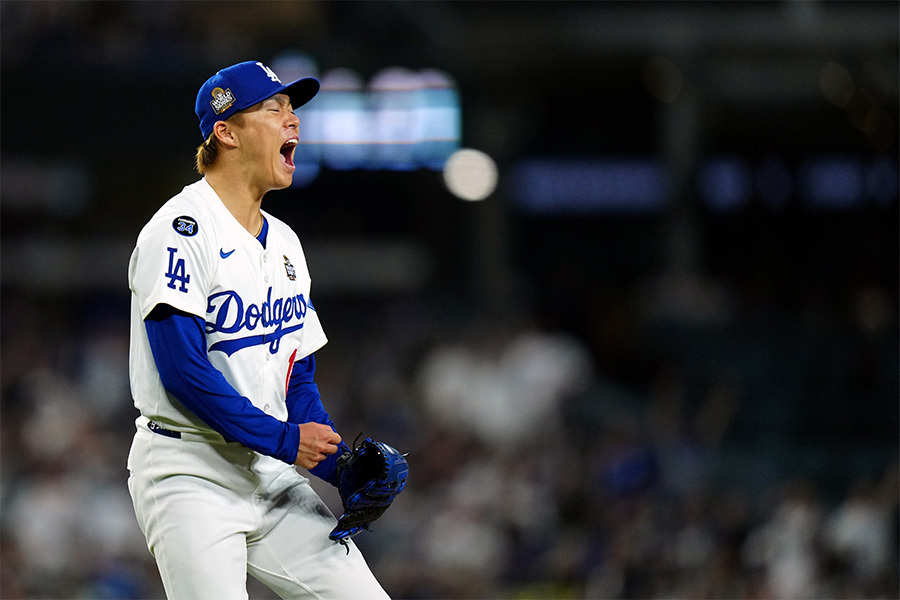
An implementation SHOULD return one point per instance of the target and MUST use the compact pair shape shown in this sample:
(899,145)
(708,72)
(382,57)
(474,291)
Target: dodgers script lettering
(228,315)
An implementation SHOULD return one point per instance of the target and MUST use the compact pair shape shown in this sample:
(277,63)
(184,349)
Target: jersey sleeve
(313,335)
(172,264)
(178,344)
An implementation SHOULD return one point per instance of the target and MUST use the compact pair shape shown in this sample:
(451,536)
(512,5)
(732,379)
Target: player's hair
(208,151)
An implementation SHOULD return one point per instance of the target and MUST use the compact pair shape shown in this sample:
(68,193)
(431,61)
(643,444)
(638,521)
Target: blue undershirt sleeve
(178,344)
(304,405)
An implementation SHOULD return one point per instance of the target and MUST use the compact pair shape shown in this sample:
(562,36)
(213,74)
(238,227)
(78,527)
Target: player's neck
(240,200)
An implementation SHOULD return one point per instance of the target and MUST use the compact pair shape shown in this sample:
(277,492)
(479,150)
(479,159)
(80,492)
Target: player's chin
(284,176)
(282,183)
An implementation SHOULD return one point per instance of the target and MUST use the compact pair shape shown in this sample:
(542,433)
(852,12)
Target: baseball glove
(369,478)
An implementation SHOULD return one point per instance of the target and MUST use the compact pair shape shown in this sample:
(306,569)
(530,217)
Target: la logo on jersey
(177,272)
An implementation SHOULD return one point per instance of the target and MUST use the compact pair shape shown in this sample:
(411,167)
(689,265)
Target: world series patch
(289,269)
(222,100)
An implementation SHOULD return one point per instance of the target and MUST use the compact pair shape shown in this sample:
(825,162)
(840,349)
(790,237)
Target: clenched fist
(316,442)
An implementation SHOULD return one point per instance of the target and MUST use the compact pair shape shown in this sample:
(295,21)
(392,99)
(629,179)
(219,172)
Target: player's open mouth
(287,152)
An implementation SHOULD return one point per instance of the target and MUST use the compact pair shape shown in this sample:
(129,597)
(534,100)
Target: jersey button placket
(266,361)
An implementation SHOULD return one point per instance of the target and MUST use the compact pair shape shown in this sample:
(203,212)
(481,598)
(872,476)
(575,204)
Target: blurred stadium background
(658,360)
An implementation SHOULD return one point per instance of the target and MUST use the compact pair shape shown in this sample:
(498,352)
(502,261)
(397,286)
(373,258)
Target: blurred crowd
(533,473)
(675,438)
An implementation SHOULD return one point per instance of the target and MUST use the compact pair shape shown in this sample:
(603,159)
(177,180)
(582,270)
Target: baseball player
(223,332)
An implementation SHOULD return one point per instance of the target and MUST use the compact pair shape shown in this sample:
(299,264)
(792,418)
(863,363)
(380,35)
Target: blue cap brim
(301,91)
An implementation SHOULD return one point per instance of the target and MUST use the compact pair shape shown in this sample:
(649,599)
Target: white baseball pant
(213,512)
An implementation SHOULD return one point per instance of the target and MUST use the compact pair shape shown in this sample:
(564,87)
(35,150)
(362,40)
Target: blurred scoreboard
(400,119)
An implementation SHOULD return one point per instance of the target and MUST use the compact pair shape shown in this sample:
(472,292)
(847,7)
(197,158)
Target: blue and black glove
(370,477)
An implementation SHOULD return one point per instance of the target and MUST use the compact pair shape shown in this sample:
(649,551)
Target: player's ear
(225,134)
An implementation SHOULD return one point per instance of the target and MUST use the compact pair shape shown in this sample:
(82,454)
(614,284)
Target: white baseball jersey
(212,511)
(196,257)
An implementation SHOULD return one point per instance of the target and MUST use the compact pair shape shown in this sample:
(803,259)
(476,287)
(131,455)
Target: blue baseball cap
(242,85)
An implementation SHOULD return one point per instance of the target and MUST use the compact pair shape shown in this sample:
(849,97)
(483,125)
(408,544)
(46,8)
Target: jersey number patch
(176,272)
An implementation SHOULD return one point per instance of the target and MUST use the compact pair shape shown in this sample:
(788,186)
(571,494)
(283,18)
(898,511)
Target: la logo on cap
(222,99)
